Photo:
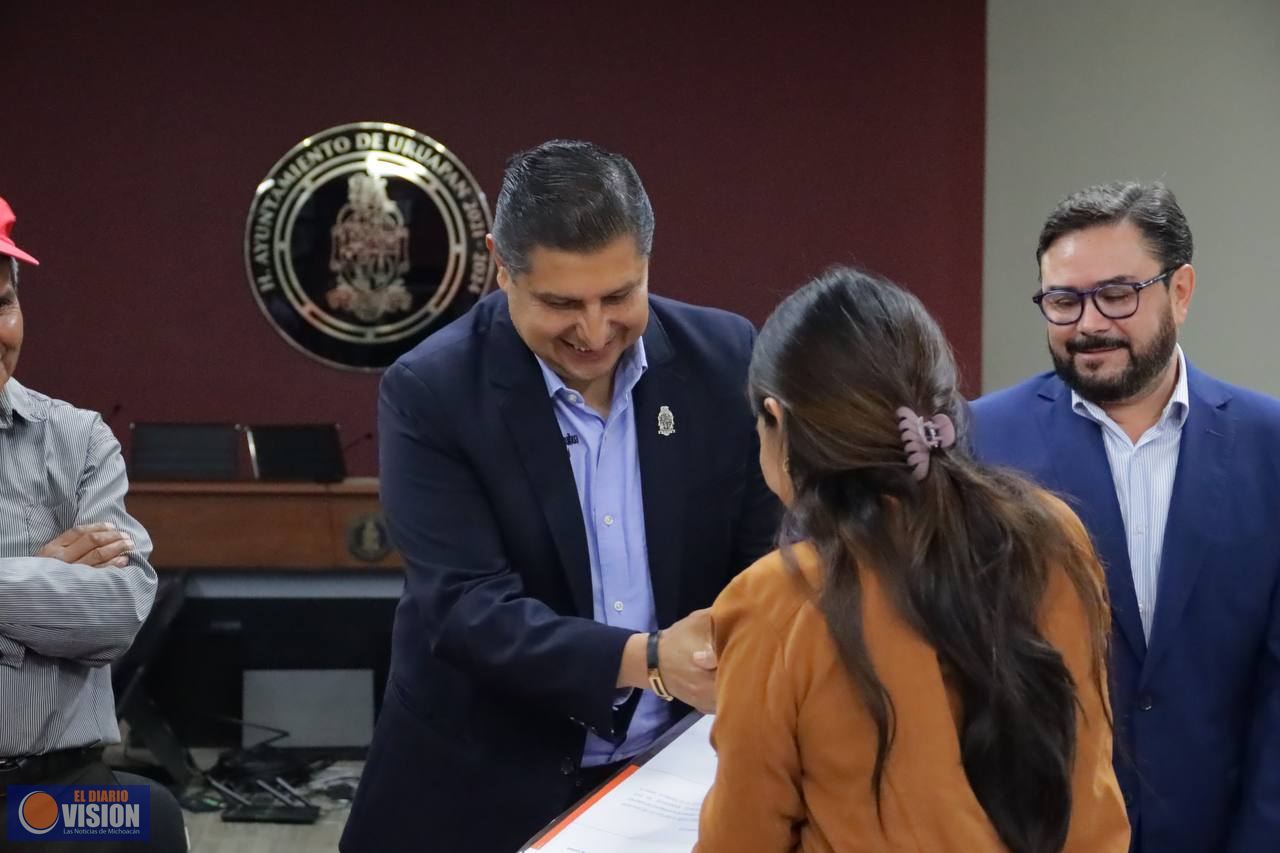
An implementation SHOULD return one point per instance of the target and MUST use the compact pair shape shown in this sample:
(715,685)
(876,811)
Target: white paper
(654,810)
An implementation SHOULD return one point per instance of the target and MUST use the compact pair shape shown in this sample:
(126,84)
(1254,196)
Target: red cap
(7,246)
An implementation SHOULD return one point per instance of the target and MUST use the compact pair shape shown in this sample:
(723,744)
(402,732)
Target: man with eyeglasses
(1177,478)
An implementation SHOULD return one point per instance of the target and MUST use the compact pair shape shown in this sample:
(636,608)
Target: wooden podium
(201,527)
(236,526)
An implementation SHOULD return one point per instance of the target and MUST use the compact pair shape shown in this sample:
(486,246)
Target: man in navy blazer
(1177,477)
(567,468)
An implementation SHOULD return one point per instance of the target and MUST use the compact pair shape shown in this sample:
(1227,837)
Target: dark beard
(1142,372)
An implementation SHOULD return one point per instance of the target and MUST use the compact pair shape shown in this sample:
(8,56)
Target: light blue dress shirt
(1143,472)
(606,469)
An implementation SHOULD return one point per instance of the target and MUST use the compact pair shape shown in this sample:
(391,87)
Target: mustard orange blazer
(796,745)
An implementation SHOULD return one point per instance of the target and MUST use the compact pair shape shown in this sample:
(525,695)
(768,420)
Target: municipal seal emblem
(367,537)
(365,238)
(666,421)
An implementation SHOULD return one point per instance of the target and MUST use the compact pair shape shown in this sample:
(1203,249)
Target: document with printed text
(650,808)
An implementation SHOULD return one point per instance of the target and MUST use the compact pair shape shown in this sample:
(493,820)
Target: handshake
(686,660)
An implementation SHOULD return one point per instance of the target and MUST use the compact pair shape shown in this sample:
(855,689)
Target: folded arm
(71,610)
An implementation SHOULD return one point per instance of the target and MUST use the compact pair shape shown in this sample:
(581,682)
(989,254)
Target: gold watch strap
(656,683)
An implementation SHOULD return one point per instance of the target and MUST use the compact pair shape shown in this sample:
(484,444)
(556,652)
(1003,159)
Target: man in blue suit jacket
(566,469)
(1176,476)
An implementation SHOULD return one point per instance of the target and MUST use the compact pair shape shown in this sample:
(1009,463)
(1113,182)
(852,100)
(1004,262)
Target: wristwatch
(655,676)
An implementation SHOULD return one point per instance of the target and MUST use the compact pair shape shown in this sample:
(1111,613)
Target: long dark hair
(965,554)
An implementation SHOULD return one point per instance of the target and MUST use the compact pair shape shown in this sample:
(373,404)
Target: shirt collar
(631,366)
(14,399)
(1175,411)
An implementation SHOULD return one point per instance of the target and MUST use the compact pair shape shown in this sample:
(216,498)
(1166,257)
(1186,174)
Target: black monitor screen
(166,451)
(309,453)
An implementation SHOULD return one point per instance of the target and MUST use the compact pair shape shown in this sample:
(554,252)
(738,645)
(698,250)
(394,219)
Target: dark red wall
(773,142)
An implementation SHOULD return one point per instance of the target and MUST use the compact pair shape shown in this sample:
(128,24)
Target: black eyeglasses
(1063,306)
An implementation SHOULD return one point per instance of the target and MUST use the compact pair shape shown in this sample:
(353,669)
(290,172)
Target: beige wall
(1181,91)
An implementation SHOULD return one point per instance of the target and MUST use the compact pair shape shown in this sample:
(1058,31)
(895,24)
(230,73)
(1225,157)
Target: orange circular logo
(38,812)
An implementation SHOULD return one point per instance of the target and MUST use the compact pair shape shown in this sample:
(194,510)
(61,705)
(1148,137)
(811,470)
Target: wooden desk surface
(350,486)
(252,525)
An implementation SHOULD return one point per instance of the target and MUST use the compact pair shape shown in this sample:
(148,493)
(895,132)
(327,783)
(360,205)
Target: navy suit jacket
(498,669)
(1197,711)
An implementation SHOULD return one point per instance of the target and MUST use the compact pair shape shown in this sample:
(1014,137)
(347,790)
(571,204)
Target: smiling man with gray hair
(570,472)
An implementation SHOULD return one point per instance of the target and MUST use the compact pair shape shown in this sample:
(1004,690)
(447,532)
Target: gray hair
(569,195)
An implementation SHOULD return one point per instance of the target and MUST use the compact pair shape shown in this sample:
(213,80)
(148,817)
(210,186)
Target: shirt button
(608,520)
(567,766)
(574,398)
(1145,703)
(617,605)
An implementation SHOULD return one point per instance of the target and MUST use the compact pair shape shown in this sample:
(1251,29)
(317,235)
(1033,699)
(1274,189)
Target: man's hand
(687,661)
(99,545)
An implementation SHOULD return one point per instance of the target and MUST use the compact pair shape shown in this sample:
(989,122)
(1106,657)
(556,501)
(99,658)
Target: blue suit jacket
(498,669)
(1198,711)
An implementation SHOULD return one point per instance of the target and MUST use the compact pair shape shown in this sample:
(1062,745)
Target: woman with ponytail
(921,665)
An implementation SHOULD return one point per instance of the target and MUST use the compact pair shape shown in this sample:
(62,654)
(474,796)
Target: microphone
(360,440)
